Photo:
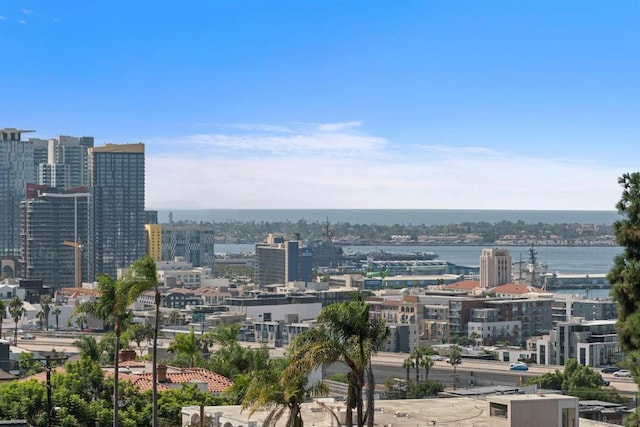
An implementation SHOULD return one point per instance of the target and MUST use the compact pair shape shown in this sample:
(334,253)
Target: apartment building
(116,215)
(54,221)
(193,242)
(592,343)
(280,261)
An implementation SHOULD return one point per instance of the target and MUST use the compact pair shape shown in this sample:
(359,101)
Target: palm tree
(174,315)
(56,312)
(81,320)
(40,316)
(186,344)
(45,304)
(345,335)
(455,358)
(407,364)
(417,356)
(277,389)
(111,307)
(3,310)
(15,311)
(427,361)
(143,277)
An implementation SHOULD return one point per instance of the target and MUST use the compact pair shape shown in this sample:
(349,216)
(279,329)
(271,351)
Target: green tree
(111,306)
(577,380)
(56,312)
(81,320)
(281,391)
(187,345)
(625,273)
(143,277)
(407,364)
(28,364)
(455,358)
(426,388)
(88,347)
(141,332)
(427,361)
(45,305)
(346,335)
(417,357)
(15,311)
(40,317)
(23,400)
(174,316)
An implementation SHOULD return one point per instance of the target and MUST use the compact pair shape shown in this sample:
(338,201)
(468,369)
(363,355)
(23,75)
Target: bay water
(561,259)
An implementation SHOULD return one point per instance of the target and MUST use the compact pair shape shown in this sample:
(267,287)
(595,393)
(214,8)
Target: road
(471,372)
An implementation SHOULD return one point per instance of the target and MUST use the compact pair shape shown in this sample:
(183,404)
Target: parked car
(518,366)
(622,373)
(28,337)
(436,358)
(609,369)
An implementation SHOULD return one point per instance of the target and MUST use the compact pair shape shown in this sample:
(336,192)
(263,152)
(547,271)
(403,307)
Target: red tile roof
(175,376)
(467,285)
(516,289)
(215,383)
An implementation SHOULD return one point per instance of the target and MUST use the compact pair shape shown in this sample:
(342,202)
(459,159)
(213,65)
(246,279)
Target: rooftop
(458,411)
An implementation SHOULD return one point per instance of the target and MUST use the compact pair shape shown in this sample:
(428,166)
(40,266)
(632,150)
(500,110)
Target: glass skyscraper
(116,216)
(16,170)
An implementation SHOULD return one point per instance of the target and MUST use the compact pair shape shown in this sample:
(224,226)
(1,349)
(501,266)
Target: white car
(622,373)
(28,337)
(436,357)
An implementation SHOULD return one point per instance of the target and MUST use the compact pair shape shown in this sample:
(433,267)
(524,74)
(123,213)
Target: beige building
(495,267)
(533,410)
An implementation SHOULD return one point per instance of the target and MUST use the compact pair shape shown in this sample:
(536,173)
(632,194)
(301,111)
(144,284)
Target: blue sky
(339,104)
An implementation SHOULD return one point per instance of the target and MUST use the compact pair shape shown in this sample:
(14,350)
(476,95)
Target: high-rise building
(116,215)
(495,267)
(53,221)
(154,241)
(65,161)
(193,242)
(16,170)
(280,261)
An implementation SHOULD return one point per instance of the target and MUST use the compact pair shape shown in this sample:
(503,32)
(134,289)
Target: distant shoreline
(390,216)
(602,245)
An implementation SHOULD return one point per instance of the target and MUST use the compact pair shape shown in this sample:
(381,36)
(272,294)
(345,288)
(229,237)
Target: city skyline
(418,105)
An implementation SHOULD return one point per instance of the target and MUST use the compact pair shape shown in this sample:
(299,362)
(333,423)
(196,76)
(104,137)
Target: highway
(472,372)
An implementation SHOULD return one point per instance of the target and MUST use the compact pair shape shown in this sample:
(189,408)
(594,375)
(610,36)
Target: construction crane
(78,249)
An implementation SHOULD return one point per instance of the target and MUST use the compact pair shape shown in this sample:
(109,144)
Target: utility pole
(47,360)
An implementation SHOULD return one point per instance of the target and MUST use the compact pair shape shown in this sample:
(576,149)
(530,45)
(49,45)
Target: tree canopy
(577,380)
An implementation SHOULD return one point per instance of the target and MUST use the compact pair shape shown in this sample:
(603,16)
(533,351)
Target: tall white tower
(495,267)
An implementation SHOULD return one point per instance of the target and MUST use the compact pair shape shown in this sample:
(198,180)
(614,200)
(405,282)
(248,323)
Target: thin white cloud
(2,18)
(26,11)
(457,150)
(22,21)
(296,143)
(315,169)
(255,127)
(335,127)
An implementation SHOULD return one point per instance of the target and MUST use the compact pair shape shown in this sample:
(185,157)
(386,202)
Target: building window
(499,410)
(568,417)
